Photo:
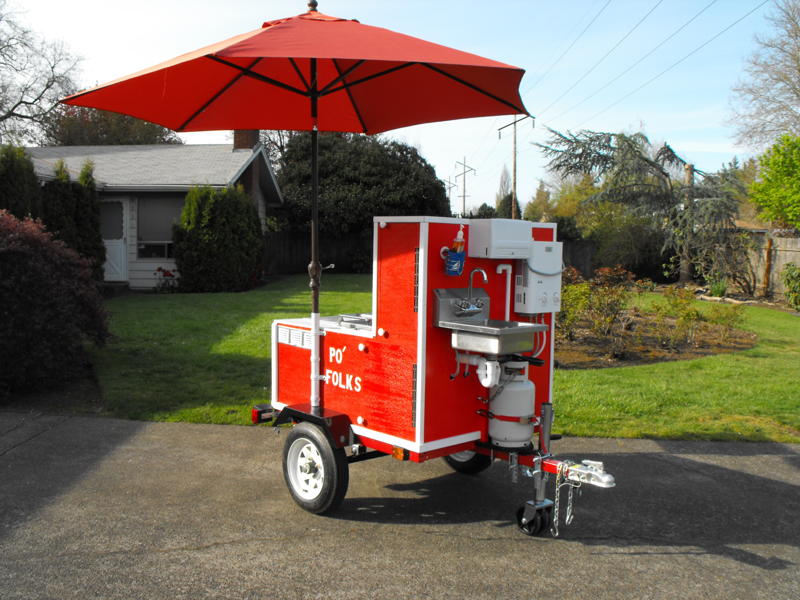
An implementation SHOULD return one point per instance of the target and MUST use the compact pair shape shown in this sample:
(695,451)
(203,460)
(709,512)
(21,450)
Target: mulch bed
(641,345)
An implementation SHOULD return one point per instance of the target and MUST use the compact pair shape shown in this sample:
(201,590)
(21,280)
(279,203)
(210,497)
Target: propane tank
(513,408)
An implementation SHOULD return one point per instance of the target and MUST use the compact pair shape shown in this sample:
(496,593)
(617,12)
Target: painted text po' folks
(343,381)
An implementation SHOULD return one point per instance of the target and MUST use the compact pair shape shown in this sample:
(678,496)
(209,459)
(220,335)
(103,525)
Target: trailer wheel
(538,524)
(315,472)
(468,462)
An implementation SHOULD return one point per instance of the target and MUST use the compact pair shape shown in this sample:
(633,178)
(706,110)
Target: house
(142,189)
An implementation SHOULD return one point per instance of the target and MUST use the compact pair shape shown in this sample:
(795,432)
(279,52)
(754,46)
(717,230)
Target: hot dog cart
(455,361)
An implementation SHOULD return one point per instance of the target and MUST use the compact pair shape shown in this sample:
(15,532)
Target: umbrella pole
(314,272)
(314,268)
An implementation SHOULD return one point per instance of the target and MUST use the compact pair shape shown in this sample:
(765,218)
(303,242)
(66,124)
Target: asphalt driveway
(103,508)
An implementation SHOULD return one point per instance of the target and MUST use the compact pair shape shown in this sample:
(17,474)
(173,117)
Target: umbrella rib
(259,76)
(368,78)
(218,94)
(519,109)
(300,74)
(349,94)
(341,74)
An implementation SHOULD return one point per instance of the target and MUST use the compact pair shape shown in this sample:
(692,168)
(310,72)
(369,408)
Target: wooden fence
(769,258)
(288,253)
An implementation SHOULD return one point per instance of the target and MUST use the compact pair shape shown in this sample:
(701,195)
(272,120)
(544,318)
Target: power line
(595,65)
(675,64)
(563,54)
(535,83)
(626,71)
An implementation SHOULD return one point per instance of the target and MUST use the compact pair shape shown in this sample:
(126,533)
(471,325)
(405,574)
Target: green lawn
(751,395)
(205,358)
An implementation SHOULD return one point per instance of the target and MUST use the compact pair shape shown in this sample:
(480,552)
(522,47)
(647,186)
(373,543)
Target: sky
(665,67)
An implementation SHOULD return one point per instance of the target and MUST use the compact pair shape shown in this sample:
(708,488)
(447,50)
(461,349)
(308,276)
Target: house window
(156,217)
(111,220)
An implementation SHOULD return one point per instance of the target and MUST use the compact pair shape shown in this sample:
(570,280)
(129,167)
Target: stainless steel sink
(492,336)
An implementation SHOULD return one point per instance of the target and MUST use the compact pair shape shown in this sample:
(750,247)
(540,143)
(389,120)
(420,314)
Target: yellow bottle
(458,243)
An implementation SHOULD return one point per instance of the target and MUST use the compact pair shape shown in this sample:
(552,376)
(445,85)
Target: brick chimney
(245,139)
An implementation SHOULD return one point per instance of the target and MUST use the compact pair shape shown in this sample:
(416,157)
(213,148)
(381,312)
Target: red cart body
(401,381)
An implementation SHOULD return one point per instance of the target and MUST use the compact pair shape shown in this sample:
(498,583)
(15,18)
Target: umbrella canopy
(361,78)
(313,73)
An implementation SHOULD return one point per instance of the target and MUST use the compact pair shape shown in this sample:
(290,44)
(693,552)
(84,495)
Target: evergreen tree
(89,242)
(484,211)
(59,206)
(20,192)
(504,208)
(219,246)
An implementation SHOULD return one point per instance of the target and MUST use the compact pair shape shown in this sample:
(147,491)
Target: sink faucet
(471,274)
(467,307)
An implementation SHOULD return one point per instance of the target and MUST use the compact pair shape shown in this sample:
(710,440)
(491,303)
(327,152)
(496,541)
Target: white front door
(112,227)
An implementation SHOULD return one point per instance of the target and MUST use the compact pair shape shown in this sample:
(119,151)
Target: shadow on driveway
(671,499)
(44,456)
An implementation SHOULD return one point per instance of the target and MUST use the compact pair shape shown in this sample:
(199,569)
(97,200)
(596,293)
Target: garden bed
(641,343)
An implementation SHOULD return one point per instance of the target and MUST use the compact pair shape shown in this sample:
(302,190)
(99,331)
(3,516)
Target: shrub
(571,275)
(574,299)
(729,316)
(609,294)
(608,298)
(791,280)
(49,308)
(717,287)
(680,307)
(218,243)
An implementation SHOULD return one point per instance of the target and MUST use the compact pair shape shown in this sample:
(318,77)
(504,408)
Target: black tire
(538,525)
(315,472)
(468,462)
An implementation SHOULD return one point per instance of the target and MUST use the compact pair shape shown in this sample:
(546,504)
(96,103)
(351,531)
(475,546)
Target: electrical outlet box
(537,286)
(500,238)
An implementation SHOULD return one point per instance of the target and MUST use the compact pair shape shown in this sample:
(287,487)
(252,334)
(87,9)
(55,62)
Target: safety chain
(562,466)
(561,481)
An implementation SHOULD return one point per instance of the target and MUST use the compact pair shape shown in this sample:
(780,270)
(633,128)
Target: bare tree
(275,142)
(767,102)
(34,74)
(505,187)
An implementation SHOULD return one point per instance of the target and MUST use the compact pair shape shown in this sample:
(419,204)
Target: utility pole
(466,169)
(514,163)
(449,187)
(514,177)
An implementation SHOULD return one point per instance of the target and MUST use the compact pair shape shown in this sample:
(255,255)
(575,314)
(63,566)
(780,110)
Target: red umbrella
(361,79)
(313,72)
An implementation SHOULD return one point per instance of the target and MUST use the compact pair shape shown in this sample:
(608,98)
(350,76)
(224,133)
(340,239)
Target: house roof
(168,167)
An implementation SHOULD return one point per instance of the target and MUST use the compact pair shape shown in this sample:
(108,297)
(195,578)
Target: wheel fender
(336,425)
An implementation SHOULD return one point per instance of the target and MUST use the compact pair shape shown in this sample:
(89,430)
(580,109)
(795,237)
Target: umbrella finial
(312,6)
